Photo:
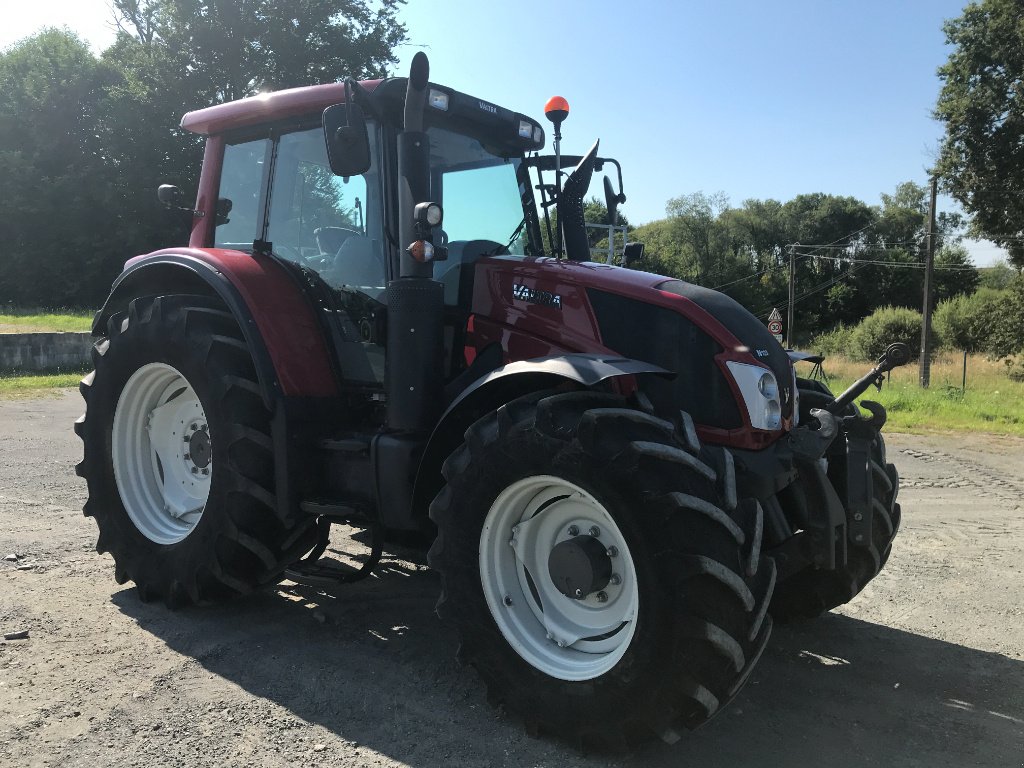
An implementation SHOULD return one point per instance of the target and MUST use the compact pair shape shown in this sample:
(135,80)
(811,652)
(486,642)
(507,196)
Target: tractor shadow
(371,663)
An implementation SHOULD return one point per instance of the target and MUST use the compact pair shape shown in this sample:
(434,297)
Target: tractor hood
(540,306)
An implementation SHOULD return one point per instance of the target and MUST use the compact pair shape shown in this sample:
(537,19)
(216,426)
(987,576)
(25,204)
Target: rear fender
(287,345)
(503,385)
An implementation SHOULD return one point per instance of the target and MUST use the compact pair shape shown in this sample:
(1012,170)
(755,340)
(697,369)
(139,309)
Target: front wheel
(605,583)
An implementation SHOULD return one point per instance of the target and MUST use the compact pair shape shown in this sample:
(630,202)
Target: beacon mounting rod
(556,110)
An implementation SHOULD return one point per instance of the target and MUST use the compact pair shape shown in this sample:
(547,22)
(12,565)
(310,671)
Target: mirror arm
(354,90)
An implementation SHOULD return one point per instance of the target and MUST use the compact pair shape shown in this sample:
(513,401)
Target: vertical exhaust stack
(415,299)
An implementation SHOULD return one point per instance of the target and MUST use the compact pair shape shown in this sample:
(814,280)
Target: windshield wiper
(515,234)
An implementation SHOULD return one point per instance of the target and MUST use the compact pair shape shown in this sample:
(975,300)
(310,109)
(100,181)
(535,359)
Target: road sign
(775,315)
(775,327)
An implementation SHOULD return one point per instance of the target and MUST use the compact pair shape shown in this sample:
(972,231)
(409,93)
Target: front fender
(500,386)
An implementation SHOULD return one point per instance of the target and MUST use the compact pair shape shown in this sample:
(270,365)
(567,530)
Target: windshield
(481,192)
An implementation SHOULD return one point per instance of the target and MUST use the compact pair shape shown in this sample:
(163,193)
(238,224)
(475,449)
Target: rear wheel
(605,583)
(178,456)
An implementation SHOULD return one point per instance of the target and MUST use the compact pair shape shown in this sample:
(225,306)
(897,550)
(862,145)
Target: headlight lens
(767,386)
(760,391)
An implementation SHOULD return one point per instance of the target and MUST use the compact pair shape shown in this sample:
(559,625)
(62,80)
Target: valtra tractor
(622,477)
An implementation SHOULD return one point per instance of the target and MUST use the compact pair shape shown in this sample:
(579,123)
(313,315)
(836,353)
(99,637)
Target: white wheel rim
(163,487)
(566,638)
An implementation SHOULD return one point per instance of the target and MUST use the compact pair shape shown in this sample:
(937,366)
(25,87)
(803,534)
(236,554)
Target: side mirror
(348,143)
(632,253)
(169,195)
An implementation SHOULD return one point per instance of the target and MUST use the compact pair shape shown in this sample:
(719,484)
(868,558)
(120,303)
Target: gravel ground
(925,668)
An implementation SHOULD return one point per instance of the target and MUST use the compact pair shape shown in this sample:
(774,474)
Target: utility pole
(926,308)
(792,295)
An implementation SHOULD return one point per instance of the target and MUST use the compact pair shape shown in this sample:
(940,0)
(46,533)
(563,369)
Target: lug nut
(195,470)
(188,456)
(205,428)
(579,593)
(595,531)
(193,427)
(602,597)
(205,470)
(612,552)
(615,580)
(574,530)
(508,600)
(858,516)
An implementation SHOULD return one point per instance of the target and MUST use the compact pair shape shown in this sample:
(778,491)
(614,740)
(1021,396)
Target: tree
(227,49)
(54,180)
(84,142)
(955,275)
(997,276)
(982,106)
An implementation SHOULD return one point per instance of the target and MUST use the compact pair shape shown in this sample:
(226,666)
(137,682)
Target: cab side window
(241,178)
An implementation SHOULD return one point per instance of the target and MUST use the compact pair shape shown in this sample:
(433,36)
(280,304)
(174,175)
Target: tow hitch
(839,509)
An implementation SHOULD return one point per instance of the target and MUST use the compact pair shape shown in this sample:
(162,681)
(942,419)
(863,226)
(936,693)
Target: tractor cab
(337,233)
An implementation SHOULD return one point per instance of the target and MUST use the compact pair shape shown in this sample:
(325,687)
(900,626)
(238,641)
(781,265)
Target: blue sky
(756,99)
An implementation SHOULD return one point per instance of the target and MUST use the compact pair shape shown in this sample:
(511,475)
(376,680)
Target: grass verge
(991,403)
(15,386)
(43,321)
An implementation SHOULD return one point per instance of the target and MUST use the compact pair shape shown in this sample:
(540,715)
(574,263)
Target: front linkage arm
(894,356)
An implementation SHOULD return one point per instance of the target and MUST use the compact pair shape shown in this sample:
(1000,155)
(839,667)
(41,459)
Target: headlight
(760,393)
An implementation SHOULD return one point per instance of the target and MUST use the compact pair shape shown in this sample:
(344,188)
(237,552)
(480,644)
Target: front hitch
(894,356)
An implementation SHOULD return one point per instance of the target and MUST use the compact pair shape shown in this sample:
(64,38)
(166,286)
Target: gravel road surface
(925,668)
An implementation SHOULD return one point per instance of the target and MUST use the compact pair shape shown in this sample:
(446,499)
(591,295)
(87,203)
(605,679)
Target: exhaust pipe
(415,300)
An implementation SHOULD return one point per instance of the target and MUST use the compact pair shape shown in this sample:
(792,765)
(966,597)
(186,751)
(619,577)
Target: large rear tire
(178,456)
(812,591)
(672,616)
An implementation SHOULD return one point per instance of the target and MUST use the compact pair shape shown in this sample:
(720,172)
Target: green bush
(1008,323)
(834,342)
(968,322)
(883,327)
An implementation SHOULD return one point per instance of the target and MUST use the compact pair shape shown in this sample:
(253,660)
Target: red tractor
(617,470)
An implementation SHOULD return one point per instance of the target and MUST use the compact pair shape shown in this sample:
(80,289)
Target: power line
(820,287)
(773,268)
(885,244)
(900,264)
(802,256)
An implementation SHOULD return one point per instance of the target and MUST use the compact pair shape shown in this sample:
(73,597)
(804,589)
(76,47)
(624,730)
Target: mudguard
(288,348)
(498,387)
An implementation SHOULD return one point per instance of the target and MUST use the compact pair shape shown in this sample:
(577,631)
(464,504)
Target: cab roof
(267,107)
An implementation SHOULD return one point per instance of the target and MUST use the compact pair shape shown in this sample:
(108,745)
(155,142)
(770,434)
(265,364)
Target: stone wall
(44,351)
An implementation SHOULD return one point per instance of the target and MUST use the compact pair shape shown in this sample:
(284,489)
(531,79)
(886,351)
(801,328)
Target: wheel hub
(200,450)
(580,566)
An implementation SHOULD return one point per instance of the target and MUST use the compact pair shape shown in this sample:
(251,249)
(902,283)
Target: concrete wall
(44,351)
